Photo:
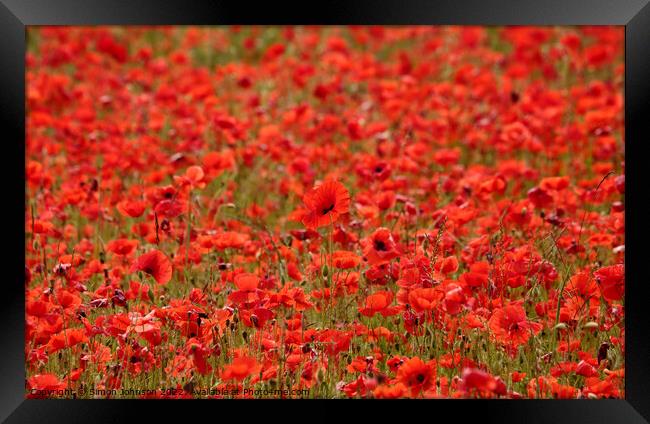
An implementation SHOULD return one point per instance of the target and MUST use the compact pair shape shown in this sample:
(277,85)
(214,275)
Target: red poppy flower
(132,208)
(425,298)
(486,188)
(193,178)
(539,197)
(156,264)
(379,303)
(454,298)
(240,368)
(325,203)
(511,326)
(612,281)
(66,338)
(392,391)
(448,265)
(554,183)
(122,247)
(199,354)
(417,375)
(45,382)
(380,247)
(475,379)
(247,282)
(257,317)
(342,259)
(581,284)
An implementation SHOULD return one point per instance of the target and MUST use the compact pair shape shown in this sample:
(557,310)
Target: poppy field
(325,212)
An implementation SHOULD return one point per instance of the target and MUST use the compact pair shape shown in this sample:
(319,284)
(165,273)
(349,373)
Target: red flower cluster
(376,212)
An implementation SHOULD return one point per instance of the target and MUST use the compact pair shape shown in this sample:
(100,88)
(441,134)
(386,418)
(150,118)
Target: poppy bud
(602,352)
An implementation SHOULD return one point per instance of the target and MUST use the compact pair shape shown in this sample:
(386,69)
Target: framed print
(424,207)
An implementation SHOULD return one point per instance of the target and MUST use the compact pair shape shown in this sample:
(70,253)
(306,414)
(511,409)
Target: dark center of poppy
(168,195)
(148,270)
(328,209)
(420,378)
(378,169)
(380,245)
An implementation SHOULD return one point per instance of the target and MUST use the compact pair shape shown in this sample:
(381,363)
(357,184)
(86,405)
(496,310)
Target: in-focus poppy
(325,203)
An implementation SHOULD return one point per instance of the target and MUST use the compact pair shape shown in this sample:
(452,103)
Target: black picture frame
(16,15)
